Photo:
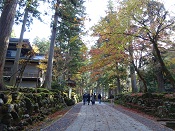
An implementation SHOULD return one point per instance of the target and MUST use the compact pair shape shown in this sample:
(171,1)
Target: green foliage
(32,7)
(69,102)
(19,106)
(27,90)
(13,35)
(68,56)
(108,59)
(157,104)
(42,44)
(141,26)
(152,89)
(39,90)
(55,85)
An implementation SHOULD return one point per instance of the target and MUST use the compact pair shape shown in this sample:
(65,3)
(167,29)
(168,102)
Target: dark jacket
(99,96)
(88,97)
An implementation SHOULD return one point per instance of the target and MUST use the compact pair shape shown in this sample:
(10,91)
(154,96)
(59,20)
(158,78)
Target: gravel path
(62,123)
(103,117)
(152,124)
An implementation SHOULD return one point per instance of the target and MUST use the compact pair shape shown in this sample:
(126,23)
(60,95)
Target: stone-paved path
(102,117)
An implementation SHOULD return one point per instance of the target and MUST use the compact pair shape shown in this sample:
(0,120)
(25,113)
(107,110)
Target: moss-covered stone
(161,105)
(22,107)
(7,119)
(29,105)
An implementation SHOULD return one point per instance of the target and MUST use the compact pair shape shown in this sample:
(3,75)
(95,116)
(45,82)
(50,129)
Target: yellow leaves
(18,46)
(22,61)
(112,41)
(42,66)
(73,39)
(173,60)
(84,54)
(170,62)
(35,48)
(83,18)
(130,9)
(22,45)
(77,76)
(106,56)
(56,5)
(133,7)
(9,99)
(84,48)
(29,2)
(30,53)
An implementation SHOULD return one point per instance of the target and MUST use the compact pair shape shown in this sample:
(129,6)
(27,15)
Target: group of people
(91,98)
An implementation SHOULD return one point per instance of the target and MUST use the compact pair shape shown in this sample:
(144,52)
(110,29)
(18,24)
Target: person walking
(84,98)
(88,98)
(95,96)
(93,99)
(99,98)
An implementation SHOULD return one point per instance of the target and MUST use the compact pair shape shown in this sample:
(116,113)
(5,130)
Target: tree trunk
(164,69)
(160,80)
(18,53)
(70,92)
(98,88)
(145,89)
(133,79)
(159,73)
(132,72)
(109,93)
(119,90)
(103,93)
(137,70)
(48,79)
(6,24)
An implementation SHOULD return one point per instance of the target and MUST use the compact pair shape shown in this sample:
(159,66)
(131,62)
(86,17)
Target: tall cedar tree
(48,78)
(68,38)
(30,8)
(6,23)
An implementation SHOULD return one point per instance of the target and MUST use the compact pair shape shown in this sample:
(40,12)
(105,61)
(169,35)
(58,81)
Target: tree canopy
(133,44)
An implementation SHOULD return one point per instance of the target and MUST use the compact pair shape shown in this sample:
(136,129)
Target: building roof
(12,48)
(38,57)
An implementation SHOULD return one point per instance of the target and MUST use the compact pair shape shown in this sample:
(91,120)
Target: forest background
(108,73)
(133,55)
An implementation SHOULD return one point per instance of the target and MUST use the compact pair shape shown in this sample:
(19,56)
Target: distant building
(32,75)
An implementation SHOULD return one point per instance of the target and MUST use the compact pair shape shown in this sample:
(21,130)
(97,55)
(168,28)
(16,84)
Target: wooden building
(32,75)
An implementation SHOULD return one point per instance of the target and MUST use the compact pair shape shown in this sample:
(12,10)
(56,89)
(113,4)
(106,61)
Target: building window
(7,69)
(8,53)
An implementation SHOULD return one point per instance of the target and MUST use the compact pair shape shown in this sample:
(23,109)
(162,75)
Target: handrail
(28,75)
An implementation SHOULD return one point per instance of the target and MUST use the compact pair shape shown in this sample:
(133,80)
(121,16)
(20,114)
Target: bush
(57,86)
(152,89)
(39,90)
(69,102)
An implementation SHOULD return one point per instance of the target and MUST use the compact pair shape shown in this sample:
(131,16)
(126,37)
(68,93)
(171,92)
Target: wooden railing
(25,75)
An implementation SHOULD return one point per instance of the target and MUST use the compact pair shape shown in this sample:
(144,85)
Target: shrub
(42,90)
(69,102)
(57,86)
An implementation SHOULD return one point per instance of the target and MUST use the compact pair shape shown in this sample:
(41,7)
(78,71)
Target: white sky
(94,9)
